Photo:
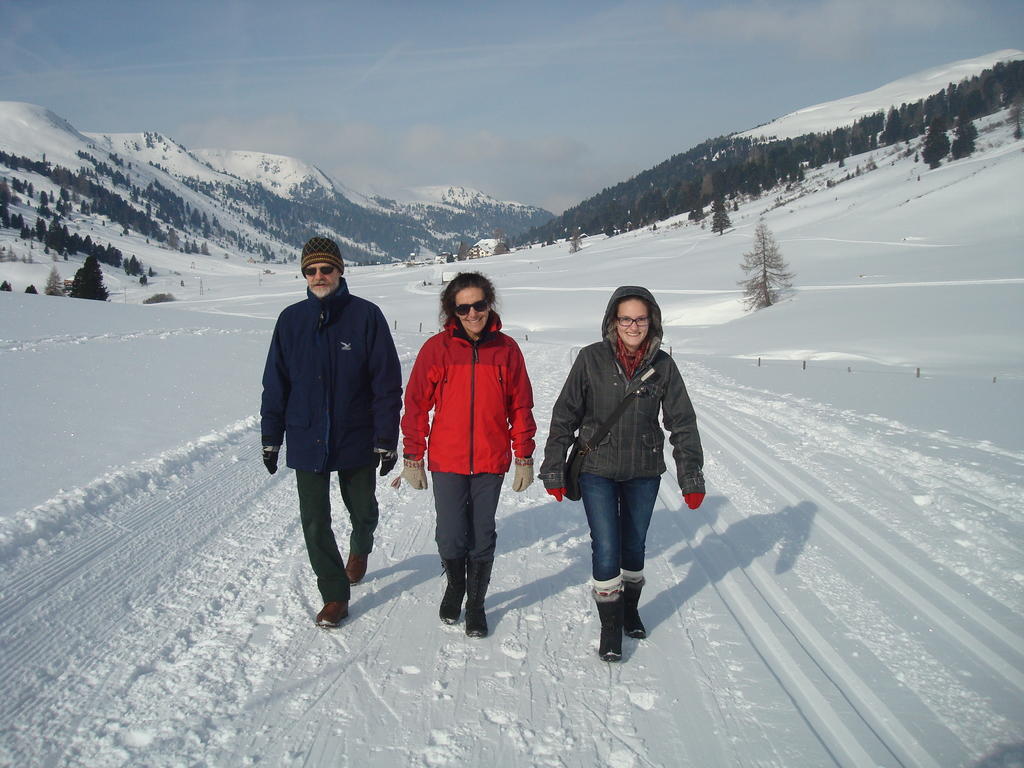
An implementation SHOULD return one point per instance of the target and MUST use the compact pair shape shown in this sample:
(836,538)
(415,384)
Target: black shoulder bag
(580,448)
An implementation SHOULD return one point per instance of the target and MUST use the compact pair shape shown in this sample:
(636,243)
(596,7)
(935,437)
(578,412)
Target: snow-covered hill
(830,115)
(849,594)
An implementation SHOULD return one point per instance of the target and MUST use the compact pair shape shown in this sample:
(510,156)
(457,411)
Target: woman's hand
(413,473)
(558,493)
(524,474)
(693,500)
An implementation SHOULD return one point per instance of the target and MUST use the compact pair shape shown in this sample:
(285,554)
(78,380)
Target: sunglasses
(310,271)
(463,309)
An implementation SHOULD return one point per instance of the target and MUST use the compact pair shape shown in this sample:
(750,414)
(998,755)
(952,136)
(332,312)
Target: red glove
(693,500)
(558,493)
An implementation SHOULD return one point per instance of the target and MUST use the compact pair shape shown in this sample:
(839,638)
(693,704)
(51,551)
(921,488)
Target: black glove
(270,454)
(387,461)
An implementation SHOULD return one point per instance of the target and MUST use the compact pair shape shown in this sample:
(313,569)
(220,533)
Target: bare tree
(768,272)
(54,285)
(574,240)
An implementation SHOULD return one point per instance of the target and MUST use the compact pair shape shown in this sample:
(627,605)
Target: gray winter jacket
(635,445)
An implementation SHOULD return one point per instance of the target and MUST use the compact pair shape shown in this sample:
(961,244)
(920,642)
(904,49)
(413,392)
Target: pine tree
(720,218)
(964,135)
(768,272)
(893,128)
(88,283)
(936,143)
(31,289)
(54,285)
(5,286)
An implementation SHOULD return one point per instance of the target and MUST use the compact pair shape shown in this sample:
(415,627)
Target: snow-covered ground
(850,593)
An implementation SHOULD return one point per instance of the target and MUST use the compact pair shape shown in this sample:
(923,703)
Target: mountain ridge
(267,204)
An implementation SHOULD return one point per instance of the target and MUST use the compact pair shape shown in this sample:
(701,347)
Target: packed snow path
(849,594)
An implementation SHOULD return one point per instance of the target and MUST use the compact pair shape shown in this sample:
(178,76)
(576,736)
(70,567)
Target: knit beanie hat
(322,250)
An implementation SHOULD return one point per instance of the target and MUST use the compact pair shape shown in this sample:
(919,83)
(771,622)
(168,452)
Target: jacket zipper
(472,404)
(325,368)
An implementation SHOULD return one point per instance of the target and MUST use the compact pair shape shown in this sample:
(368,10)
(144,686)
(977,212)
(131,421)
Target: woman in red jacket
(474,378)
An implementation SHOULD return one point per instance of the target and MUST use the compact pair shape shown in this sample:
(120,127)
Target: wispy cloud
(372,158)
(831,28)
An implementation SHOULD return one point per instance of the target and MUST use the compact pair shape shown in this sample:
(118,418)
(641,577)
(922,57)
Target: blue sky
(542,102)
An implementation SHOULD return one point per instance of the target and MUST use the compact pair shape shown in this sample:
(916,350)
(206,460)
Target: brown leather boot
(355,568)
(332,614)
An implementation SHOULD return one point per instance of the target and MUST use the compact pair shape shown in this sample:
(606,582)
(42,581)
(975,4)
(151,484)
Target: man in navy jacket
(333,385)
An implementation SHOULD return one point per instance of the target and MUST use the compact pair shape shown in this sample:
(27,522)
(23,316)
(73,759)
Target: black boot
(454,591)
(609,608)
(631,623)
(478,577)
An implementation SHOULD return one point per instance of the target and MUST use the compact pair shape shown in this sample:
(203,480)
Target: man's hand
(388,459)
(558,493)
(270,454)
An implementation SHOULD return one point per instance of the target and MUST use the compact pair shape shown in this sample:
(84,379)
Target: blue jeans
(619,514)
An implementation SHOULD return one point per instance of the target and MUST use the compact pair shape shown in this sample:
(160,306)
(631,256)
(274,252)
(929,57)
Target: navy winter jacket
(332,383)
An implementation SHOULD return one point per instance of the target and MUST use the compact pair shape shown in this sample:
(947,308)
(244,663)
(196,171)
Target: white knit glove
(413,473)
(524,475)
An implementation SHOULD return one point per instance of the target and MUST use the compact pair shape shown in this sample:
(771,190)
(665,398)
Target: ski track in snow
(165,618)
(33,345)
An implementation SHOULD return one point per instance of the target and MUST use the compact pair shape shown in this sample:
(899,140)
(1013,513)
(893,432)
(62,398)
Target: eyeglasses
(463,309)
(625,322)
(324,270)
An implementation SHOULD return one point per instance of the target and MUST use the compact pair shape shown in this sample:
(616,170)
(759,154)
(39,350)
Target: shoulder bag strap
(634,386)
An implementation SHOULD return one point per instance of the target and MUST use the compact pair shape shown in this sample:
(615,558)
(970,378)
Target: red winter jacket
(481,397)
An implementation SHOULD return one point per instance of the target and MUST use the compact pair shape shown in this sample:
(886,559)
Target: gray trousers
(466,505)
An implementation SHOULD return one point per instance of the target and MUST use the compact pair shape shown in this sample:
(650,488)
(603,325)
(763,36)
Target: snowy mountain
(453,209)
(261,204)
(830,115)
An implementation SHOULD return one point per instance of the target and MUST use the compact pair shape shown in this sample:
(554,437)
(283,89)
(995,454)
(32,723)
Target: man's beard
(320,291)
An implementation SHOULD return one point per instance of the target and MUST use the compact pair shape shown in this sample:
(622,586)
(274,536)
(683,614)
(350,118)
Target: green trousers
(358,487)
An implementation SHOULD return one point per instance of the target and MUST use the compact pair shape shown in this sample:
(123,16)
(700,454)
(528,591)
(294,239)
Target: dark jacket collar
(455,329)
(331,301)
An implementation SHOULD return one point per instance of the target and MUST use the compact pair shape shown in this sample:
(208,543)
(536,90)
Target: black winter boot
(478,577)
(609,608)
(454,591)
(631,623)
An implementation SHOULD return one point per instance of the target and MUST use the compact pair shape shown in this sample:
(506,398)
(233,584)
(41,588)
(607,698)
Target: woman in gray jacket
(621,474)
